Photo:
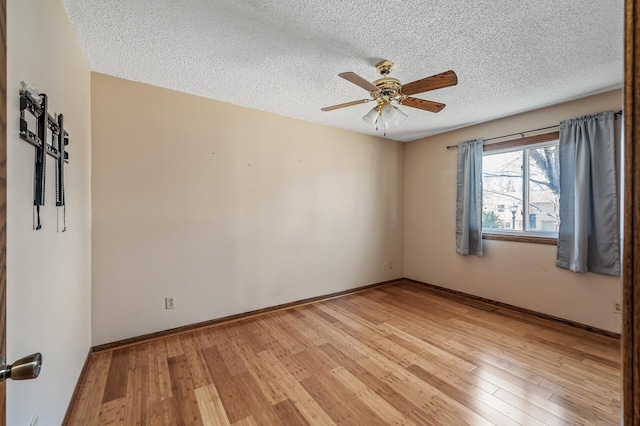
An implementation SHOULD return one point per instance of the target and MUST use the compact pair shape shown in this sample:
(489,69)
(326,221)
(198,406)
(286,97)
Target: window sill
(521,238)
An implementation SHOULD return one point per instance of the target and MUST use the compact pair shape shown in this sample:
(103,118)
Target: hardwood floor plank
(343,407)
(296,313)
(357,312)
(440,415)
(413,388)
(215,363)
(160,379)
(612,393)
(233,399)
(418,345)
(249,337)
(318,312)
(299,371)
(326,358)
(210,406)
(155,414)
(232,360)
(412,402)
(289,414)
(476,400)
(316,360)
(113,412)
(184,399)
(343,318)
(245,391)
(275,338)
(89,403)
(168,412)
(309,333)
(247,421)
(557,410)
(264,378)
(600,352)
(307,406)
(505,380)
(197,365)
(116,386)
(577,376)
(583,408)
(371,399)
(396,354)
(593,395)
(513,366)
(446,369)
(136,398)
(174,346)
(532,409)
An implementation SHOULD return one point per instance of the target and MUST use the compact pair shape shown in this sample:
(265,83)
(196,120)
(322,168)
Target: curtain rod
(449,147)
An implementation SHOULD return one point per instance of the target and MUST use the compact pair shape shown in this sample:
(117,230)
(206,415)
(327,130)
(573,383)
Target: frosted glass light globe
(388,113)
(371,116)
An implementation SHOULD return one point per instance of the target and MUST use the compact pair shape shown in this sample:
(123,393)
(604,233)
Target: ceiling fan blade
(423,104)
(438,81)
(356,79)
(346,104)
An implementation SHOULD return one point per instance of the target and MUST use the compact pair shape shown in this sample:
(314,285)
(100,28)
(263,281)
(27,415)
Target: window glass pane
(502,190)
(544,189)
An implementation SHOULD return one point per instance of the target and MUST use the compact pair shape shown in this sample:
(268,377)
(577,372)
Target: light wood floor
(397,354)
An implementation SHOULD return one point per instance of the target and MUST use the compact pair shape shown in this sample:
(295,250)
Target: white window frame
(525,192)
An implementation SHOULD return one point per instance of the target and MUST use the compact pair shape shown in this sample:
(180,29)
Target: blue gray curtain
(588,237)
(469,198)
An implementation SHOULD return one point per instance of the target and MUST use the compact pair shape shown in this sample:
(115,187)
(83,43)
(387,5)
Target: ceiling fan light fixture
(400,117)
(388,113)
(372,116)
(385,116)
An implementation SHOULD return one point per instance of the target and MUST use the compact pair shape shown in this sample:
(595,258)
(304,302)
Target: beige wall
(48,273)
(229,209)
(520,274)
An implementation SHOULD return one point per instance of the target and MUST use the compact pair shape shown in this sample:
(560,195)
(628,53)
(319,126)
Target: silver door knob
(23,369)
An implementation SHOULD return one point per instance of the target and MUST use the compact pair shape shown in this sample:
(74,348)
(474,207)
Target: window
(521,187)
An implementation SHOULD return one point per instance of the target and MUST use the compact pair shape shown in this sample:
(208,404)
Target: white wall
(229,209)
(48,273)
(521,274)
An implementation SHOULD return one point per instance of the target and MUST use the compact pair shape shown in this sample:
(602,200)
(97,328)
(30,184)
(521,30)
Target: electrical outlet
(34,420)
(384,266)
(617,307)
(169,302)
(390,265)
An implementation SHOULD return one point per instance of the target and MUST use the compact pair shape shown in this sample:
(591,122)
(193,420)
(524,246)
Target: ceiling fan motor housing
(389,86)
(389,89)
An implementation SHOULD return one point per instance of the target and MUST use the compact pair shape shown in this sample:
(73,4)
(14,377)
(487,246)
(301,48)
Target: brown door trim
(3,198)
(631,262)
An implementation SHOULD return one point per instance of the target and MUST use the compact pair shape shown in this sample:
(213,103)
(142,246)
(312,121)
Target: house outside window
(521,187)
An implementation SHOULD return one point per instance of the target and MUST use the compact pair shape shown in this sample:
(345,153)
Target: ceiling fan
(388,92)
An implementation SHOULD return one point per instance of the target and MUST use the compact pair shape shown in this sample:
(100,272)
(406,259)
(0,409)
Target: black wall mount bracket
(36,104)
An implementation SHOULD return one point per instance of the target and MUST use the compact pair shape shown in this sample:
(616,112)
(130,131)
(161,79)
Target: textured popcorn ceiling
(284,56)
